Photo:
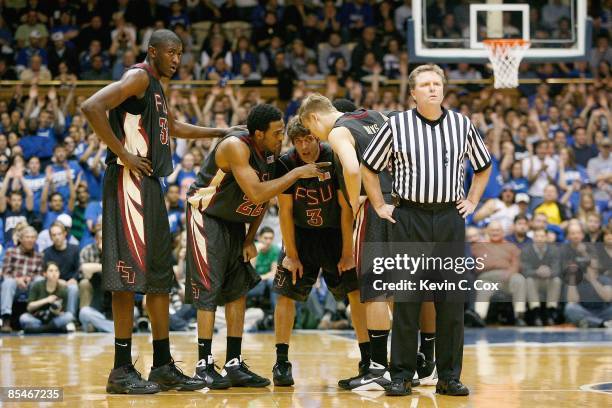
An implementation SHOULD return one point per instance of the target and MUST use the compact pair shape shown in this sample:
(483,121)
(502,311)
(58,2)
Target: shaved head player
(137,243)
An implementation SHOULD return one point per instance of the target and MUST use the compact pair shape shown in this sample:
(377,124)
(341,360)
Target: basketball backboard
(453,31)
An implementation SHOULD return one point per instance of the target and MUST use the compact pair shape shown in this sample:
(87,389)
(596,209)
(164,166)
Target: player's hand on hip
(249,251)
(294,266)
(465,207)
(139,165)
(385,212)
(346,263)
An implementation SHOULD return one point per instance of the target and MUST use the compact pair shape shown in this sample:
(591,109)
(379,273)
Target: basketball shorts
(216,273)
(370,228)
(318,249)
(136,236)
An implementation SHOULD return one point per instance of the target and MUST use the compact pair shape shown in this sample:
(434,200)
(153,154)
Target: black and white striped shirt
(427,157)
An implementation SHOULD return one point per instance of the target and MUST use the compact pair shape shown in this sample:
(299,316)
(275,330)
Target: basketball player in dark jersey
(349,135)
(231,190)
(426,373)
(317,226)
(137,241)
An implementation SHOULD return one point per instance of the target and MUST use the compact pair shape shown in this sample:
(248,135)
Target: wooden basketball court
(503,368)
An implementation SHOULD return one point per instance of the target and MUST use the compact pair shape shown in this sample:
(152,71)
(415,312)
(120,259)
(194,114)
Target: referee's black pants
(435,224)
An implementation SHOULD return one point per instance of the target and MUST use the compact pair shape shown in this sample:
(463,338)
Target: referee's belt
(425,206)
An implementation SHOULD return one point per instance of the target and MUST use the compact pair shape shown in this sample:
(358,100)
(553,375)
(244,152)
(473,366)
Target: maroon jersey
(142,126)
(218,194)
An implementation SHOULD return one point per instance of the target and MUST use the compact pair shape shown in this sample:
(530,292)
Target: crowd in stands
(547,204)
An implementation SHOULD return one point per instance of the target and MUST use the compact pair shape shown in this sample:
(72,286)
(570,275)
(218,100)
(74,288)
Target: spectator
(583,149)
(501,209)
(554,210)
(174,207)
(402,14)
(7,73)
(285,76)
(34,180)
(86,57)
(247,74)
(94,31)
(589,297)
(44,238)
(16,213)
(243,54)
(83,208)
(22,266)
(24,57)
(600,53)
(265,265)
(599,170)
(329,20)
(298,57)
(367,44)
(541,268)
(63,172)
(501,265)
(122,64)
(571,176)
(95,303)
(516,180)
(355,15)
(586,208)
(594,232)
(331,51)
(262,36)
(540,170)
(97,72)
(61,52)
(66,256)
(36,71)
(519,232)
(24,31)
(47,305)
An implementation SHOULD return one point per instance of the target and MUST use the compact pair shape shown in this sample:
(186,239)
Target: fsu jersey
(315,201)
(218,194)
(142,126)
(363,125)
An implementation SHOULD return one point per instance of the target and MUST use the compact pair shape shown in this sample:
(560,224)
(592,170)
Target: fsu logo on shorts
(126,273)
(195,291)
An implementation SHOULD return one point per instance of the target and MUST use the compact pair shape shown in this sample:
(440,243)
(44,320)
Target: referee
(426,148)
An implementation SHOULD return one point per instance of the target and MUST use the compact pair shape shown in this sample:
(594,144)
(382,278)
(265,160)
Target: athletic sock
(282,352)
(364,349)
(234,348)
(428,340)
(204,349)
(378,346)
(161,352)
(123,352)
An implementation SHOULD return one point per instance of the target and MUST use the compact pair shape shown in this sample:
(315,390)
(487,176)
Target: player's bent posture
(349,135)
(232,190)
(137,240)
(317,226)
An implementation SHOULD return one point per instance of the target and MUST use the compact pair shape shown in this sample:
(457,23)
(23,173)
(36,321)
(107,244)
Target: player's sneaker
(363,370)
(205,371)
(426,372)
(127,380)
(281,374)
(170,377)
(377,378)
(240,376)
(452,387)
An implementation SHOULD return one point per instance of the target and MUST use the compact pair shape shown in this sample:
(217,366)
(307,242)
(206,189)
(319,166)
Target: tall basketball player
(137,244)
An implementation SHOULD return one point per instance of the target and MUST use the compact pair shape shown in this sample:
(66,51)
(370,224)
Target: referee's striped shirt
(427,157)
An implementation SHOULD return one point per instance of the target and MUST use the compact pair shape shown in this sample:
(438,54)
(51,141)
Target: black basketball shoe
(363,370)
(127,380)
(240,376)
(452,387)
(281,374)
(376,378)
(205,371)
(170,377)
(426,372)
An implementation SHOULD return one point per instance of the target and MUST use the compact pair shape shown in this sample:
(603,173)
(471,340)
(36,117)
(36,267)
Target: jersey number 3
(314,217)
(163,130)
(249,208)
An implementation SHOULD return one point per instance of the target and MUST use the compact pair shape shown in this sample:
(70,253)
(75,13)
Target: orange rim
(498,42)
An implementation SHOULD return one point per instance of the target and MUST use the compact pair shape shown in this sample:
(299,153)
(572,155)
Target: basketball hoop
(506,55)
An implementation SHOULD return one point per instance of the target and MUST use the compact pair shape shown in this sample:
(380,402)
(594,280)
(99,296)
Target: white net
(506,56)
